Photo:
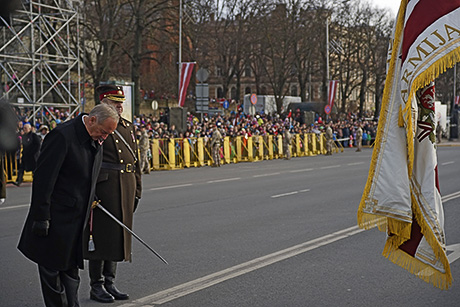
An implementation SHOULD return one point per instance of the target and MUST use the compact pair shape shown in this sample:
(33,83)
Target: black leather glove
(136,202)
(40,228)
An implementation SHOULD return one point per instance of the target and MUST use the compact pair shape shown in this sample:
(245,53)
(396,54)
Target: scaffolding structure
(40,68)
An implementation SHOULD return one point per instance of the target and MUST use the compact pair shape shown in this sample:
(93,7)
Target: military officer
(119,190)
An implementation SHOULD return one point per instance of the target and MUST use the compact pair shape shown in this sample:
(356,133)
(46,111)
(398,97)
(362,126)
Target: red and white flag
(332,90)
(402,195)
(185,75)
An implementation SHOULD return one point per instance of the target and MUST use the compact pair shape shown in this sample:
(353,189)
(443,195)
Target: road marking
(301,170)
(265,175)
(241,269)
(356,163)
(290,193)
(285,194)
(238,270)
(223,180)
(455,248)
(14,207)
(171,187)
(451,196)
(447,163)
(331,166)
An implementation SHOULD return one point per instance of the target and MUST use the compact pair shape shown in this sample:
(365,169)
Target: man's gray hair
(103,111)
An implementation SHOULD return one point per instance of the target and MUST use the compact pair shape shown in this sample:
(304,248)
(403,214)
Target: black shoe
(17,183)
(115,293)
(99,294)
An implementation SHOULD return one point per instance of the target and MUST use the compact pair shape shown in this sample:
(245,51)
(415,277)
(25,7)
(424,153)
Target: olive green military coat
(116,189)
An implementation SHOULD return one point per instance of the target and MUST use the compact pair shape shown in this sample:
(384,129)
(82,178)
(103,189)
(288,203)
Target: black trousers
(59,288)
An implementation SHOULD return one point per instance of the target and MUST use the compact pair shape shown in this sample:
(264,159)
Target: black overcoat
(62,191)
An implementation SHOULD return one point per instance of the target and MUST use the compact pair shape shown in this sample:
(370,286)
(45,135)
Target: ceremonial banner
(402,194)
(186,73)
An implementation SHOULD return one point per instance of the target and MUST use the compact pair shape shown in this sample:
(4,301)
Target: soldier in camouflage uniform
(329,139)
(144,148)
(359,137)
(216,139)
(287,139)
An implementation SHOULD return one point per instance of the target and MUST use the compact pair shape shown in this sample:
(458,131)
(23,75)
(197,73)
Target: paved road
(271,233)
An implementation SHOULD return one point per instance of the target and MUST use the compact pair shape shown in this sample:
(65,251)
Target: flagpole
(327,59)
(453,134)
(180,47)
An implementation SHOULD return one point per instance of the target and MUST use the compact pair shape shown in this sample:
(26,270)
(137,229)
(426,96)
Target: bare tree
(222,41)
(149,24)
(344,64)
(372,44)
(378,46)
(309,32)
(278,45)
(101,23)
(283,42)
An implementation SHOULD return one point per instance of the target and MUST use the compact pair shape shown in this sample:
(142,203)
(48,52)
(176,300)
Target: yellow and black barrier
(169,154)
(10,167)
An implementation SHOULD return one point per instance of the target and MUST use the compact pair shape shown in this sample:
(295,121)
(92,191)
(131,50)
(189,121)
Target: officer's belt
(128,168)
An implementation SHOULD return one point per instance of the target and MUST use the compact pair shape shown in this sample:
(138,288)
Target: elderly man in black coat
(62,192)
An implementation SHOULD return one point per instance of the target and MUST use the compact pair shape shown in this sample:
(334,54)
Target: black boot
(98,293)
(109,272)
(20,176)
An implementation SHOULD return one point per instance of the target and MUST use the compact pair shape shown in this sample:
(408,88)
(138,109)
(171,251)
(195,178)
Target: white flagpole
(327,50)
(180,45)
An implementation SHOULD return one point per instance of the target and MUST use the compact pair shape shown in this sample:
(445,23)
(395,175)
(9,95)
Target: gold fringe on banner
(364,219)
(401,230)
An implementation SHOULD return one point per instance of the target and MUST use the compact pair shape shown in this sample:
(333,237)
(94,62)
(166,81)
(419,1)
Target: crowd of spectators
(344,126)
(238,124)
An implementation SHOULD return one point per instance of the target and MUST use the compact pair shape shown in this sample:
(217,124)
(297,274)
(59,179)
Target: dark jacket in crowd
(62,192)
(2,178)
(30,150)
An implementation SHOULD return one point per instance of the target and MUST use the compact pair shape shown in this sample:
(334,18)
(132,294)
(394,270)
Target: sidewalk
(449,143)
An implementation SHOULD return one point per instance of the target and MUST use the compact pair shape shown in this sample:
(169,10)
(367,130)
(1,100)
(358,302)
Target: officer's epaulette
(125,122)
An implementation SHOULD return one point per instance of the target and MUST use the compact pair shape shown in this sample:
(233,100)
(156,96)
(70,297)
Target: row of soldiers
(216,140)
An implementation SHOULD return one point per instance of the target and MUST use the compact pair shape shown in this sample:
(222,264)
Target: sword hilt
(95,203)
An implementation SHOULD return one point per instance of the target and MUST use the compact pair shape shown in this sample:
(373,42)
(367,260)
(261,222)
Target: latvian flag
(402,195)
(332,90)
(185,74)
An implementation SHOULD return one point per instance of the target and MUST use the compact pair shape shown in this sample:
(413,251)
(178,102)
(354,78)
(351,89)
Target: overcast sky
(393,5)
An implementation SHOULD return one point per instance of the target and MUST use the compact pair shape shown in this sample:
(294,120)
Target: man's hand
(136,202)
(40,228)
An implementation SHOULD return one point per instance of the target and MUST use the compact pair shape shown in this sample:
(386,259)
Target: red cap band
(114,92)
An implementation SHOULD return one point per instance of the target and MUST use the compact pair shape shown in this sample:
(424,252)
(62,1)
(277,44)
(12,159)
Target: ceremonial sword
(97,204)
